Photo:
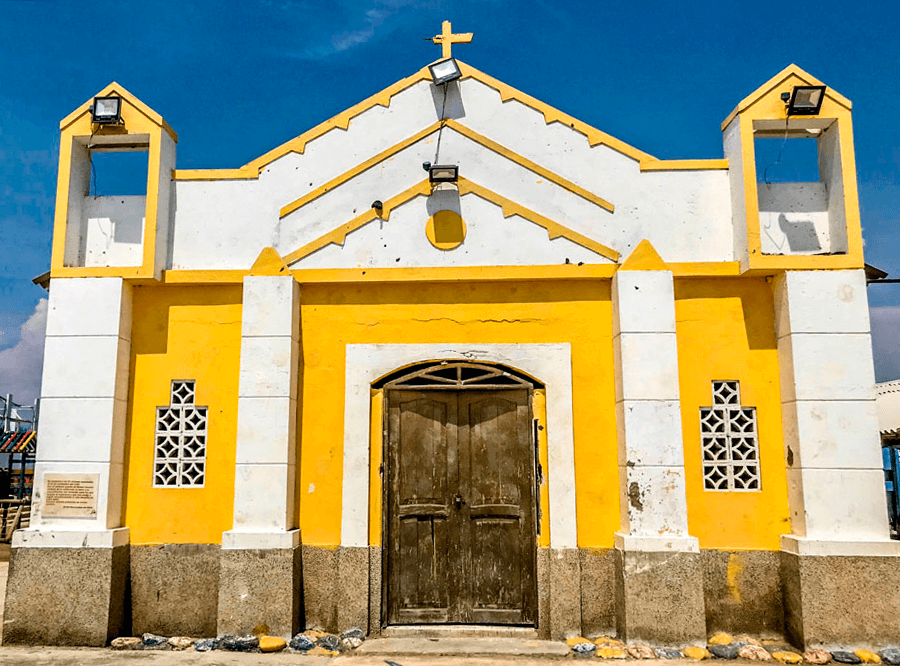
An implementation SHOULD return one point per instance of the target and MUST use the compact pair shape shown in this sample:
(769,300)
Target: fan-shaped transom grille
(457,375)
(729,441)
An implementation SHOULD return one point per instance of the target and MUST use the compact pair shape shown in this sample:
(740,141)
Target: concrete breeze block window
(729,441)
(179,457)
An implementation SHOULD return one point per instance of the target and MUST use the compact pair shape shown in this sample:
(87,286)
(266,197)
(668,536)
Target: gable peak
(643,258)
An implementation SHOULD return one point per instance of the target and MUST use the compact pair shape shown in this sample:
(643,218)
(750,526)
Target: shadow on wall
(448,99)
(801,234)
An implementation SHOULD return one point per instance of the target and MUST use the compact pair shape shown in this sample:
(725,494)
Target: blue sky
(236,79)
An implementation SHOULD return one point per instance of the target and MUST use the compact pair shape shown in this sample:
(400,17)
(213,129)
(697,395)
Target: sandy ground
(105,657)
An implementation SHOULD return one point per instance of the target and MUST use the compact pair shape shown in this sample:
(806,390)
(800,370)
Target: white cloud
(886,341)
(21,365)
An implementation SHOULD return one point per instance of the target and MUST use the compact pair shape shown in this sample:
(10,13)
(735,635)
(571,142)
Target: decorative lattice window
(179,456)
(729,441)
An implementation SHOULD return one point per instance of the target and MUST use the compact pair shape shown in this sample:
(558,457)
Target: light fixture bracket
(444,71)
(443,173)
(806,101)
(107,110)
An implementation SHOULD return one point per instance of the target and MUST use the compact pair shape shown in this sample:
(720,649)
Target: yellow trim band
(469,134)
(554,229)
(509,208)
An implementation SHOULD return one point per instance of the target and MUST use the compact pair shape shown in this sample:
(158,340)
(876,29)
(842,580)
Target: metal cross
(447,39)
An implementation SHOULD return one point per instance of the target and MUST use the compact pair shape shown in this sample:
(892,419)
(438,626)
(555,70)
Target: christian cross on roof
(447,39)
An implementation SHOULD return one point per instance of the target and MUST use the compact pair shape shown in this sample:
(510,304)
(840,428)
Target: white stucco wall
(114,230)
(225,224)
(887,399)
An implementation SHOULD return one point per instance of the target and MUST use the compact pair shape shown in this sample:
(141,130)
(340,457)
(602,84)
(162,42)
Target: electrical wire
(777,161)
(93,183)
(437,152)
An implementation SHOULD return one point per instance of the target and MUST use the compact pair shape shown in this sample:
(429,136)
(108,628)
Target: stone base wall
(320,587)
(743,592)
(659,597)
(840,601)
(260,591)
(66,596)
(87,596)
(598,592)
(175,589)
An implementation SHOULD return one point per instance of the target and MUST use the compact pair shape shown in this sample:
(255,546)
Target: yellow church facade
(547,382)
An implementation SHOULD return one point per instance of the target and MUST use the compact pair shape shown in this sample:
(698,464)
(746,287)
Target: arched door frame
(366,363)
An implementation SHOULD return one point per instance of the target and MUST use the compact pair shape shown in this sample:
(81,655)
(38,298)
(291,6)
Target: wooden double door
(461,533)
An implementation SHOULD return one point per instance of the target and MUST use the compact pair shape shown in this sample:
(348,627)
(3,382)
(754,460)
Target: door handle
(459,501)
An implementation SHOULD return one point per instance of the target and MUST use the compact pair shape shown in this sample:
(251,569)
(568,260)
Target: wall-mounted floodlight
(444,71)
(806,101)
(443,173)
(107,110)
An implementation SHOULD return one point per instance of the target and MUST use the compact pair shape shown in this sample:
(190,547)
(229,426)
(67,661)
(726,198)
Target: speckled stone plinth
(65,596)
(353,594)
(260,587)
(743,592)
(565,592)
(598,592)
(175,589)
(320,587)
(659,597)
(838,601)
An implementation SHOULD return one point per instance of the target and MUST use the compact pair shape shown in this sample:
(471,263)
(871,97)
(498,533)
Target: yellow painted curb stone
(320,652)
(611,653)
(606,641)
(694,652)
(271,644)
(575,640)
(868,657)
(721,639)
(786,657)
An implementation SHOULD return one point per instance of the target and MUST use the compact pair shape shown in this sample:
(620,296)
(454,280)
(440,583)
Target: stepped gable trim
(251,170)
(469,134)
(777,80)
(509,208)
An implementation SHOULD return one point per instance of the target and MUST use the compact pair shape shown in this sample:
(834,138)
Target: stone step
(468,646)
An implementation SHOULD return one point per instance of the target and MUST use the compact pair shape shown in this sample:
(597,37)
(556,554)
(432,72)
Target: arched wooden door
(460,538)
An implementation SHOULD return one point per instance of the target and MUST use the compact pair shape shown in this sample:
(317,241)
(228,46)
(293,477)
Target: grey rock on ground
(352,638)
(239,643)
(329,642)
(206,644)
(668,653)
(154,642)
(843,657)
(890,656)
(302,643)
(724,651)
(584,648)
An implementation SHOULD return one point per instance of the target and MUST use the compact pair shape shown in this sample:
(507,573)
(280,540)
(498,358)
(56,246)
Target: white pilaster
(835,480)
(648,413)
(84,395)
(264,492)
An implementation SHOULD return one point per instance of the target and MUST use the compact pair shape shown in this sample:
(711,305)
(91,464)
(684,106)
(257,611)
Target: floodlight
(446,173)
(444,71)
(806,101)
(107,110)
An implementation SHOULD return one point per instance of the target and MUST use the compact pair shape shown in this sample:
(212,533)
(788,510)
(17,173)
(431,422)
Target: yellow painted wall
(579,312)
(726,331)
(183,333)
